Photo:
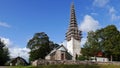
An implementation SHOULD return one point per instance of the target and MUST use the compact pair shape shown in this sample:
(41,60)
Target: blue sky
(21,19)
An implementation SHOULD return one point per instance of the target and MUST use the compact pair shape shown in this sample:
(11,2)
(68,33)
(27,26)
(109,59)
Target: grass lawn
(69,66)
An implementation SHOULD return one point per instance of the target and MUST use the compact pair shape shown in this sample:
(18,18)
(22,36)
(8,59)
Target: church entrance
(62,56)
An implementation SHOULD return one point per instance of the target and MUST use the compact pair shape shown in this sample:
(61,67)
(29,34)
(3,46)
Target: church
(73,38)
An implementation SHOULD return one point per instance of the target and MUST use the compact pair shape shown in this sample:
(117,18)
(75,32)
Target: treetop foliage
(4,53)
(106,40)
(40,46)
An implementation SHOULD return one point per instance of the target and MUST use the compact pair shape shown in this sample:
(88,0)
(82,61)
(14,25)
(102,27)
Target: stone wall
(48,62)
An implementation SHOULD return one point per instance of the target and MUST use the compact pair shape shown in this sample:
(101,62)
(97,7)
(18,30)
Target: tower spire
(73,28)
(72,1)
(73,35)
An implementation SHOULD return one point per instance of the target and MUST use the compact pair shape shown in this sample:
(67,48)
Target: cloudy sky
(21,19)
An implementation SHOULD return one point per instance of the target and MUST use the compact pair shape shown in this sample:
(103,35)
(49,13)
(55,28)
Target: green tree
(110,42)
(91,47)
(40,46)
(106,40)
(4,54)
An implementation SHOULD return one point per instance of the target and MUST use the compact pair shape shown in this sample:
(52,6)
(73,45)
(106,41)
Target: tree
(40,46)
(91,47)
(110,41)
(106,40)
(4,54)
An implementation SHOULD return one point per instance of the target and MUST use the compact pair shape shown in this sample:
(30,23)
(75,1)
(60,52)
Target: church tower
(73,35)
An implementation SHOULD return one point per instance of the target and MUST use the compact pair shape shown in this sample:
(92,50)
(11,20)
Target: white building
(99,59)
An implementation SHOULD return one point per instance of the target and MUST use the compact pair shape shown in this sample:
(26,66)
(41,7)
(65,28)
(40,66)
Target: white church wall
(76,47)
(70,46)
(73,47)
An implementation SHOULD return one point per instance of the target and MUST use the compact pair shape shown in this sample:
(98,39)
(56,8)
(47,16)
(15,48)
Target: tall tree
(106,40)
(4,54)
(40,46)
(91,47)
(110,41)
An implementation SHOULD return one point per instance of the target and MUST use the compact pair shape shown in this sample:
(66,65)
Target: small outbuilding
(18,61)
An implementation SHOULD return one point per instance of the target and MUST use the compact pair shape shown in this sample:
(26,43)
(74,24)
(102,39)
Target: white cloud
(15,51)
(6,41)
(83,40)
(100,3)
(64,43)
(22,52)
(3,24)
(94,14)
(89,24)
(112,10)
(113,15)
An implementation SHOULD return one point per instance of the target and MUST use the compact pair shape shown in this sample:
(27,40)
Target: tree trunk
(111,58)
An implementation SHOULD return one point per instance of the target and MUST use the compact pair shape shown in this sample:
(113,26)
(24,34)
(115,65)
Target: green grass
(109,66)
(69,66)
